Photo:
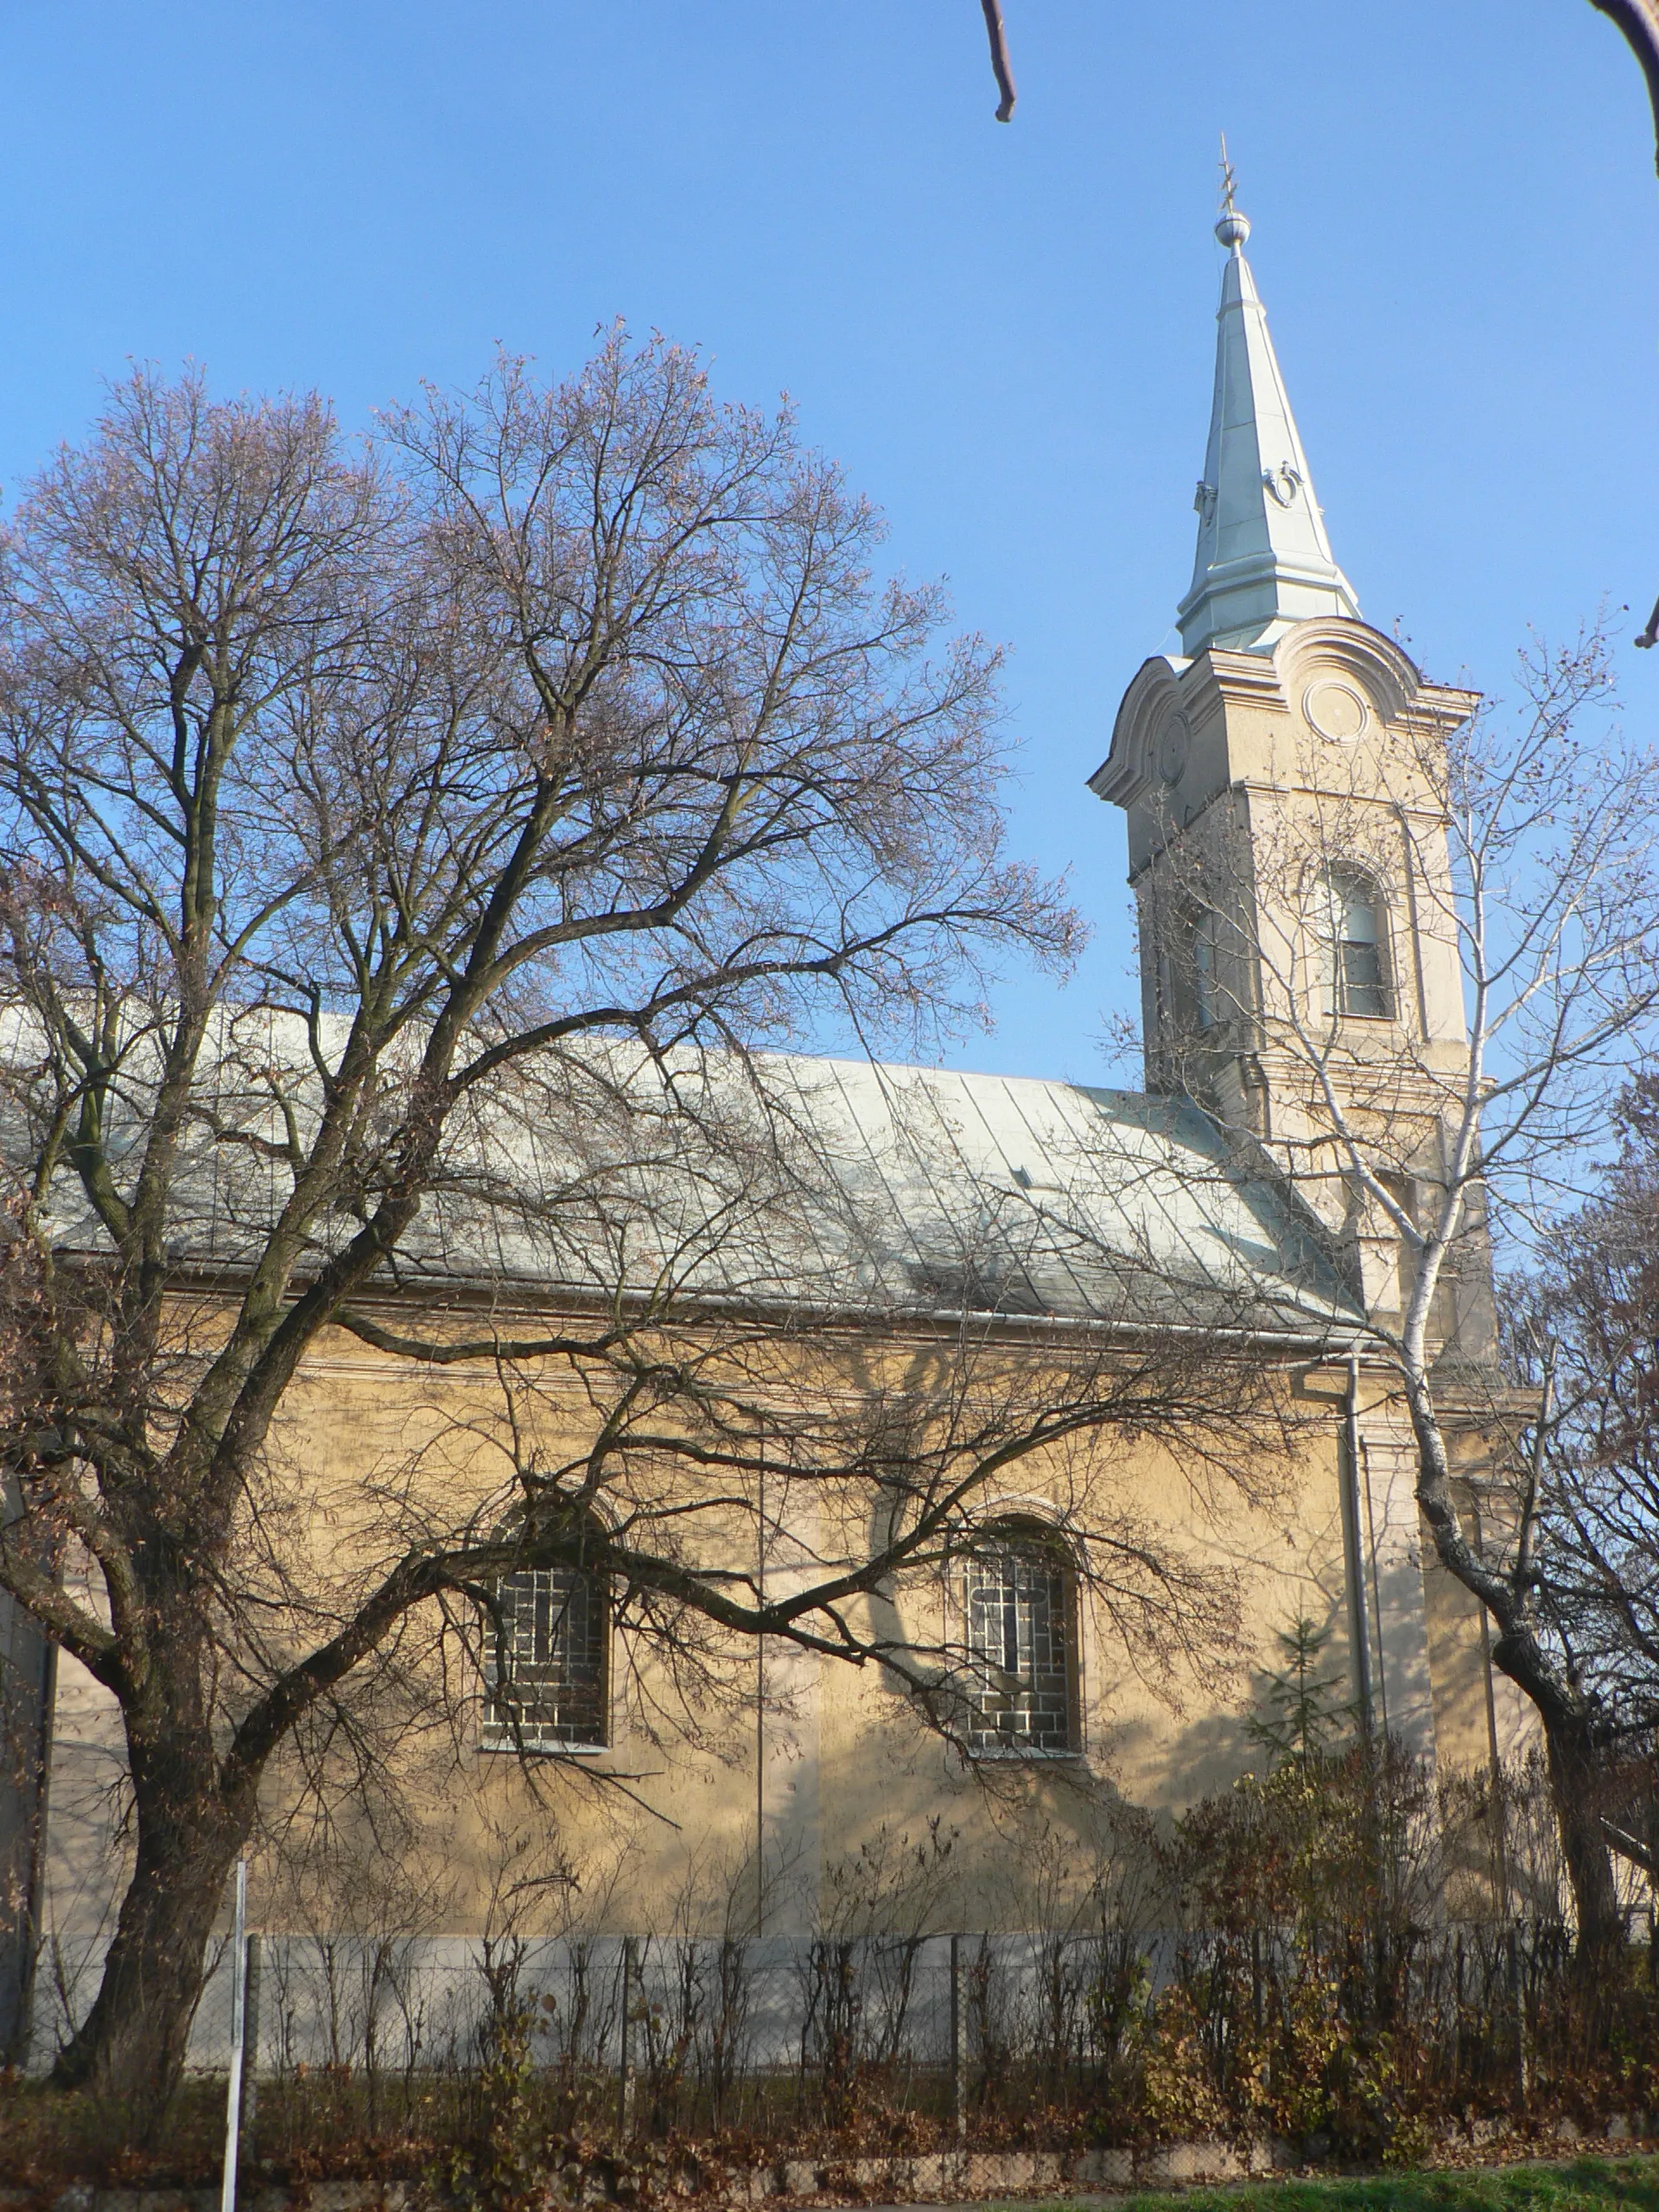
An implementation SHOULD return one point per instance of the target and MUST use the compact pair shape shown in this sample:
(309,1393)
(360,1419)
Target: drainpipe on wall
(760,1705)
(1354,1530)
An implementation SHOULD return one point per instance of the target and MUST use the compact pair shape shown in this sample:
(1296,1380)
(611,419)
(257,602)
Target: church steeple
(1263,559)
(1284,787)
(1284,782)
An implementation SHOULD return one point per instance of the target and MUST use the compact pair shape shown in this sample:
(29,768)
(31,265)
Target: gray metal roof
(1013,1194)
(851,1183)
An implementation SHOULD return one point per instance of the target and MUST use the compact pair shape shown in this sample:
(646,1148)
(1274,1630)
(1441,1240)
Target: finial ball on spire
(1233,228)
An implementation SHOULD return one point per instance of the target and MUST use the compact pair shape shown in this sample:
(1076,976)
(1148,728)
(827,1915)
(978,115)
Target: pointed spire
(1263,559)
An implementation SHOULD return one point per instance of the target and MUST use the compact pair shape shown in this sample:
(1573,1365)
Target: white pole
(239,1992)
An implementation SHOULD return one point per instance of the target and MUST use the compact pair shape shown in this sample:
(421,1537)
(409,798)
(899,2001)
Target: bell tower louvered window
(1354,977)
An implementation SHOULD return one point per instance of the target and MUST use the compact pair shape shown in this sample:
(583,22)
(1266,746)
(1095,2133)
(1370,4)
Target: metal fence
(700,2010)
(362,2003)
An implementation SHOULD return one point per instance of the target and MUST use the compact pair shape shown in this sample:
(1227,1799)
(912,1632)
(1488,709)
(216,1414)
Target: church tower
(1285,780)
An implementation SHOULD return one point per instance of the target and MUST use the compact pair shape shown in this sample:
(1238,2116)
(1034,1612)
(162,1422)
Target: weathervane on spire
(1234,227)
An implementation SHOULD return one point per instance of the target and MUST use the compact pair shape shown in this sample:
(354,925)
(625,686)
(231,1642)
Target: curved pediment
(1150,719)
(1345,655)
(1337,674)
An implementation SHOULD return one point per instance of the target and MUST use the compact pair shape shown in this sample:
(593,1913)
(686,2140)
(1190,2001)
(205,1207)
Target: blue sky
(1005,334)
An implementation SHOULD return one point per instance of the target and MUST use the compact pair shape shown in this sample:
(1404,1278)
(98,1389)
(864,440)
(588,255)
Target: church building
(1278,778)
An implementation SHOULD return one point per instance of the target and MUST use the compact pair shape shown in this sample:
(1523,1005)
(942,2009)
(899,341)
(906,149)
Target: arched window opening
(1206,1004)
(1191,974)
(1354,979)
(550,1671)
(1019,1601)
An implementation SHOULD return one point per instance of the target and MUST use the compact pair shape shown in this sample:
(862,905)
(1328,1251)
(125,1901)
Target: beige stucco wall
(824,1766)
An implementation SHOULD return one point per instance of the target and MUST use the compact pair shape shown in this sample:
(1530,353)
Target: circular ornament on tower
(1335,710)
(1174,743)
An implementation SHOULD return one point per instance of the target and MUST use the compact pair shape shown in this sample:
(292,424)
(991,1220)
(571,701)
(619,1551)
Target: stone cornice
(1169,695)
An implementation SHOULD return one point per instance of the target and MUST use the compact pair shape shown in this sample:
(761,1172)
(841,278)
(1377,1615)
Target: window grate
(549,1686)
(1022,1641)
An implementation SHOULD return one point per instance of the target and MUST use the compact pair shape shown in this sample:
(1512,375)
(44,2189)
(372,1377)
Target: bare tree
(1584,1331)
(411,853)
(1438,964)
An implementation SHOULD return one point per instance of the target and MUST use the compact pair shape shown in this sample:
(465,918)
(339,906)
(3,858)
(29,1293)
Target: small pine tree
(1302,1716)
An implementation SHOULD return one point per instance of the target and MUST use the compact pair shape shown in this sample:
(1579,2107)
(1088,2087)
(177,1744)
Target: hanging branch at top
(1639,21)
(1000,63)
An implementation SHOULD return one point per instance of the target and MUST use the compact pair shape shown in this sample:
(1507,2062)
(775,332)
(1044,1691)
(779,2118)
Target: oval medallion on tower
(1335,710)
(1174,740)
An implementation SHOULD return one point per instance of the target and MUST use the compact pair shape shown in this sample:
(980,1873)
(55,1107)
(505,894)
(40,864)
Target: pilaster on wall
(788,1811)
(1391,1555)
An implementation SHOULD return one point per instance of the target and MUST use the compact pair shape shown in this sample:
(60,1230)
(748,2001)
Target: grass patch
(1578,2185)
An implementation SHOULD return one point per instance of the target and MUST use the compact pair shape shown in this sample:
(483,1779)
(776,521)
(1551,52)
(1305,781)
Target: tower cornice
(1168,700)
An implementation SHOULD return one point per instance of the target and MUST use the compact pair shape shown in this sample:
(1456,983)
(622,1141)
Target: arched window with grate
(548,1672)
(1019,1599)
(1353,949)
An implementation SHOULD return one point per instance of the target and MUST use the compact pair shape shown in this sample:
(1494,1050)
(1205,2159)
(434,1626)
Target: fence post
(233,2090)
(625,2067)
(251,2042)
(1518,1995)
(958,2045)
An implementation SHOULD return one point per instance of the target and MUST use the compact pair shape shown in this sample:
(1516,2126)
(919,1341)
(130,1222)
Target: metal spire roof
(1263,559)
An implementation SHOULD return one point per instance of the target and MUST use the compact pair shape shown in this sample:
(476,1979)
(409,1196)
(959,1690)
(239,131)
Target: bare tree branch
(1639,22)
(1002,66)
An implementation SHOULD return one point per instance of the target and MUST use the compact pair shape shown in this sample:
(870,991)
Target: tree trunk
(130,2048)
(1575,1766)
(1575,1775)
